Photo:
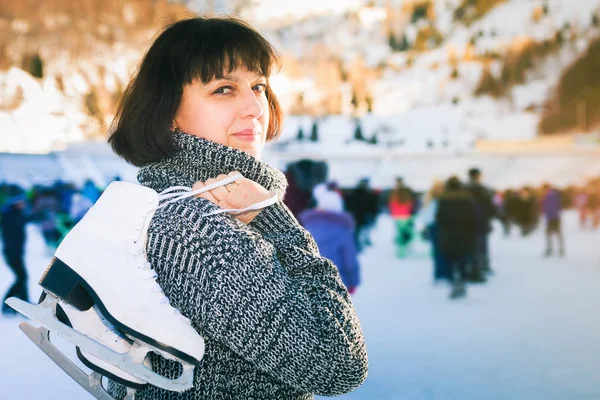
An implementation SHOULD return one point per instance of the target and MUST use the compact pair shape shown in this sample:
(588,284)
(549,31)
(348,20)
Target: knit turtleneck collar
(198,159)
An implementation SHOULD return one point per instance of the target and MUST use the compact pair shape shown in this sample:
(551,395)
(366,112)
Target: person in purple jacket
(333,230)
(552,208)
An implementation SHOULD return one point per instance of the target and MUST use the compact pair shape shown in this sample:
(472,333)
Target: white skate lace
(172,195)
(167,194)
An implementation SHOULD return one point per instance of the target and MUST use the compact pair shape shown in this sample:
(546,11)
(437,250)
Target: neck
(198,159)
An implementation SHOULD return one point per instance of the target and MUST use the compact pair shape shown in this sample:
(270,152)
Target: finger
(198,185)
(206,195)
(220,193)
(231,186)
(235,173)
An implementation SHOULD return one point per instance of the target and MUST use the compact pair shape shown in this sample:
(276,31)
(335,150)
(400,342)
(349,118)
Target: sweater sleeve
(290,316)
(278,226)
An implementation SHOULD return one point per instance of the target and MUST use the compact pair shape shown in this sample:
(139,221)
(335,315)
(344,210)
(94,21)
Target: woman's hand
(239,194)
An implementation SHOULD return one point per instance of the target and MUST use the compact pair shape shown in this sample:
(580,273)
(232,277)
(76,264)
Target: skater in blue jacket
(333,230)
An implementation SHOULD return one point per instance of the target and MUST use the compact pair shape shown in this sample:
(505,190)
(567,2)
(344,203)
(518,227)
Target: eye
(261,87)
(224,90)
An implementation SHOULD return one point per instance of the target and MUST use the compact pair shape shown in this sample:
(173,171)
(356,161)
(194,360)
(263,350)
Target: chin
(253,151)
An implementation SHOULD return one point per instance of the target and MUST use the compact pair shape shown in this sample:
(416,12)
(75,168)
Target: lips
(246,134)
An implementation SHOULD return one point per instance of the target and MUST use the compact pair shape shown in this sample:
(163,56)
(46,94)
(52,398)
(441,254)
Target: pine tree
(454,74)
(354,100)
(369,101)
(35,66)
(459,14)
(358,134)
(404,45)
(314,133)
(300,135)
(419,12)
(392,42)
(373,139)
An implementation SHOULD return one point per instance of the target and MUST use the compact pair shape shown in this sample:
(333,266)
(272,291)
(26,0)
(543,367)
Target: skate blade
(131,362)
(92,383)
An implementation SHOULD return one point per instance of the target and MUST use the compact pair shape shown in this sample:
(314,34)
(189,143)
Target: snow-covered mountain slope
(415,94)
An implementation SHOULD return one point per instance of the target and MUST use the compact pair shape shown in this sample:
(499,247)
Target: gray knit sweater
(276,319)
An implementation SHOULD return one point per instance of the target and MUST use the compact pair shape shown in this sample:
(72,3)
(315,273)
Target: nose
(249,104)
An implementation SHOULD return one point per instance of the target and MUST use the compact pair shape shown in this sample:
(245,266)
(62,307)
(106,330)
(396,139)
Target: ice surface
(532,332)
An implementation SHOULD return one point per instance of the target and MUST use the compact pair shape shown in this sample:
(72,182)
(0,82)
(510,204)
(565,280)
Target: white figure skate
(109,242)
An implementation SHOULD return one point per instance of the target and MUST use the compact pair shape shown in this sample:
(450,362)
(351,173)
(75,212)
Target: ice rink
(532,332)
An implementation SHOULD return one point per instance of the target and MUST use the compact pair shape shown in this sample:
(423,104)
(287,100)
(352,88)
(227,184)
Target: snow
(501,170)
(35,117)
(269,10)
(345,30)
(75,164)
(514,18)
(419,152)
(530,333)
(426,84)
(422,116)
(414,131)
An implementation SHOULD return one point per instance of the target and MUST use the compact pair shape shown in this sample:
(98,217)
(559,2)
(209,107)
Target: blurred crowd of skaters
(454,218)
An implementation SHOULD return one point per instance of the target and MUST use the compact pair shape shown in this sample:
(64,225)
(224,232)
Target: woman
(277,321)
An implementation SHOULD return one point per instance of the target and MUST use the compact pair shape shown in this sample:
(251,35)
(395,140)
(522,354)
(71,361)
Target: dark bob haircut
(186,51)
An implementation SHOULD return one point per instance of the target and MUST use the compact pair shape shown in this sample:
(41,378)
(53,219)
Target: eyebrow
(235,79)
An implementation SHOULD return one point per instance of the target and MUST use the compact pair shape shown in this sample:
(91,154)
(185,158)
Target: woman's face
(232,111)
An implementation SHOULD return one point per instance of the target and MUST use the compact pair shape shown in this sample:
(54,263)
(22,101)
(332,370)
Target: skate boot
(101,265)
